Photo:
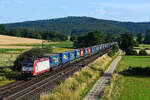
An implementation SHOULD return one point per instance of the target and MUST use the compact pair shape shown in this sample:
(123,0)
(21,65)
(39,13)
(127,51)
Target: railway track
(33,88)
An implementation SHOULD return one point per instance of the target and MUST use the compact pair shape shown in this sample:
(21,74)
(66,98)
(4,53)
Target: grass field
(134,79)
(136,85)
(17,40)
(9,42)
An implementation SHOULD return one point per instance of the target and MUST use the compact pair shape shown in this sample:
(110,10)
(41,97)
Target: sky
(28,10)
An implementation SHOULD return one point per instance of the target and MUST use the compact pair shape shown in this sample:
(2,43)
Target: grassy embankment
(77,86)
(131,81)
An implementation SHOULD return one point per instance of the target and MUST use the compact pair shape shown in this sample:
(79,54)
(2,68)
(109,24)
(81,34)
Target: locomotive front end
(27,69)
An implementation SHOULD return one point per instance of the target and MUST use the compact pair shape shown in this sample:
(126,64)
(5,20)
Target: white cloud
(64,6)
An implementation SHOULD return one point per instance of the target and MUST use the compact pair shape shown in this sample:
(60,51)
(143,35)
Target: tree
(92,38)
(139,38)
(110,37)
(127,42)
(38,36)
(15,32)
(2,30)
(147,37)
(74,38)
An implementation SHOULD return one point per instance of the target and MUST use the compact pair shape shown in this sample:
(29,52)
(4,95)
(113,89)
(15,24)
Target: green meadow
(132,81)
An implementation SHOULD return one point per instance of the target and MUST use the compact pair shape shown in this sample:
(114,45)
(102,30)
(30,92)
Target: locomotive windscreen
(28,64)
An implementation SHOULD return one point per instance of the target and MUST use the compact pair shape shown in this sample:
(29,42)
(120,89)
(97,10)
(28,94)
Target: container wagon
(89,50)
(85,51)
(77,53)
(54,59)
(64,57)
(71,55)
(81,52)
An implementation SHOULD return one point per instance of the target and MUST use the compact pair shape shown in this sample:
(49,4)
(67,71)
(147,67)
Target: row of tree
(126,41)
(32,33)
(93,38)
(144,39)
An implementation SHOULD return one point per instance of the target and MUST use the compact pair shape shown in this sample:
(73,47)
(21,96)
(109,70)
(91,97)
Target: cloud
(63,6)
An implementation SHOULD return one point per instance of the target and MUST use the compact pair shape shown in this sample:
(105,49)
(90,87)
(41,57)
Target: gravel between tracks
(97,90)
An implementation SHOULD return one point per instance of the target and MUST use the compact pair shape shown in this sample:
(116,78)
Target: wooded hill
(82,25)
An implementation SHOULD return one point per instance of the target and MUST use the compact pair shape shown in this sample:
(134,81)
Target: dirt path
(97,90)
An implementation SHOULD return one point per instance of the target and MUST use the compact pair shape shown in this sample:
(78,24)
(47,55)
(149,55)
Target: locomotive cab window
(28,64)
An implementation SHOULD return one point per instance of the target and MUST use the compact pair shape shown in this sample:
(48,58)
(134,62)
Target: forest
(82,25)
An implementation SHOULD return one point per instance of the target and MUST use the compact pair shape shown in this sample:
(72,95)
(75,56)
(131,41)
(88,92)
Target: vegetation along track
(33,88)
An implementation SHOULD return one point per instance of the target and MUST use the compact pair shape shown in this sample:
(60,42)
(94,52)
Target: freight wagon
(77,53)
(81,52)
(71,55)
(64,57)
(54,59)
(85,51)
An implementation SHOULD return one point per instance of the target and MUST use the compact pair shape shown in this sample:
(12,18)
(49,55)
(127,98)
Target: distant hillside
(82,25)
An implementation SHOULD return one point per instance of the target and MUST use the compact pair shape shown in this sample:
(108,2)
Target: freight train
(50,61)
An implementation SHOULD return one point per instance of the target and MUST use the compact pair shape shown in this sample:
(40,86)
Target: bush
(130,51)
(142,52)
(115,49)
(111,53)
(32,54)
